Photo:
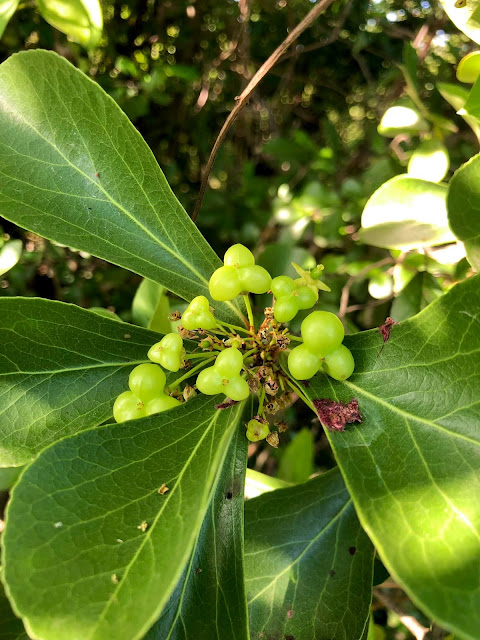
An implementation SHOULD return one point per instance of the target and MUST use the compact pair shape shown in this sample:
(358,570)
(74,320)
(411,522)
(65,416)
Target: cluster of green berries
(224,376)
(243,364)
(322,349)
(146,396)
(239,274)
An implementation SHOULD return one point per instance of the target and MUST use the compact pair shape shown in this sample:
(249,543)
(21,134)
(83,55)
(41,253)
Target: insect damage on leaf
(227,404)
(386,327)
(335,415)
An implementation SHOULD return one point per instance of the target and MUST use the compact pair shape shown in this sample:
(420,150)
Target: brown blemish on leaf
(352,550)
(289,613)
(143,526)
(335,415)
(114,578)
(331,573)
(227,404)
(385,329)
(127,336)
(163,489)
(199,570)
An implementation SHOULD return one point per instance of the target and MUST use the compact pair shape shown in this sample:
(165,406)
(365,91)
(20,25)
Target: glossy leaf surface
(308,563)
(61,368)
(209,601)
(74,169)
(87,523)
(413,465)
(81,20)
(7,9)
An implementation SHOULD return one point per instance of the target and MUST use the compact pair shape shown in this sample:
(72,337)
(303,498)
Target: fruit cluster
(245,360)
(322,349)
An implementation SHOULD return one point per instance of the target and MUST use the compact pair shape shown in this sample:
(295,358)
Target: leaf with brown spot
(335,415)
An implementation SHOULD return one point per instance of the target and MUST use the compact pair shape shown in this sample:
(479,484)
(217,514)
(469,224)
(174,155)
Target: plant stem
(190,356)
(261,401)
(296,338)
(246,297)
(189,373)
(233,327)
(245,355)
(301,395)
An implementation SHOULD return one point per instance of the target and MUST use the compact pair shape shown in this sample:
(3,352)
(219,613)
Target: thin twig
(416,629)
(257,78)
(357,276)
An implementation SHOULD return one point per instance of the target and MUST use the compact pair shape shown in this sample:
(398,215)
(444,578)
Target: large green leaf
(74,169)
(7,9)
(406,213)
(457,96)
(413,465)
(92,549)
(213,579)
(150,307)
(308,563)
(464,15)
(82,20)
(422,289)
(61,368)
(464,208)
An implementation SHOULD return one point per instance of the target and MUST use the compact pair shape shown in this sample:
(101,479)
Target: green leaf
(406,213)
(7,9)
(209,601)
(61,368)
(308,563)
(422,289)
(8,477)
(465,16)
(402,118)
(81,20)
(412,466)
(457,96)
(75,170)
(10,254)
(296,463)
(11,628)
(150,307)
(464,208)
(91,548)
(468,68)
(429,161)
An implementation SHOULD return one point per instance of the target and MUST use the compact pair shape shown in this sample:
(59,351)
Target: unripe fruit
(162,403)
(210,381)
(257,430)
(229,362)
(147,381)
(238,256)
(339,364)
(322,332)
(285,308)
(128,407)
(198,315)
(237,389)
(282,286)
(302,363)
(225,284)
(306,297)
(254,279)
(168,352)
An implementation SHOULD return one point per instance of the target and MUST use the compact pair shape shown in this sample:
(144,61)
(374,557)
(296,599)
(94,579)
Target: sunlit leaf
(430,161)
(468,68)
(401,119)
(457,96)
(405,213)
(150,307)
(412,466)
(7,9)
(81,20)
(92,548)
(465,15)
(308,563)
(10,254)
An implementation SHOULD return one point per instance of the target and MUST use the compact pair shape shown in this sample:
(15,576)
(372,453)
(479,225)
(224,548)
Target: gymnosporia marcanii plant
(138,528)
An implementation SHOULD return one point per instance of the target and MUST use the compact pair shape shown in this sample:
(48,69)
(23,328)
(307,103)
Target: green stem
(189,373)
(245,355)
(233,327)
(301,395)
(261,401)
(296,338)
(189,356)
(246,298)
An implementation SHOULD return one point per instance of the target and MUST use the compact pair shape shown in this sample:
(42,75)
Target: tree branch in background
(416,629)
(244,96)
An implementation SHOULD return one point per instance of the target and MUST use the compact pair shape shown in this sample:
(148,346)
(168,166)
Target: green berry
(238,256)
(237,389)
(340,364)
(322,332)
(254,279)
(128,407)
(282,286)
(225,284)
(302,363)
(229,362)
(210,382)
(198,315)
(147,381)
(162,403)
(168,352)
(306,297)
(316,272)
(285,309)
(257,430)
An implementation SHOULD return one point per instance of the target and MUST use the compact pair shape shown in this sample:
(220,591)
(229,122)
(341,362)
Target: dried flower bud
(176,315)
(273,439)
(188,392)
(271,387)
(281,426)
